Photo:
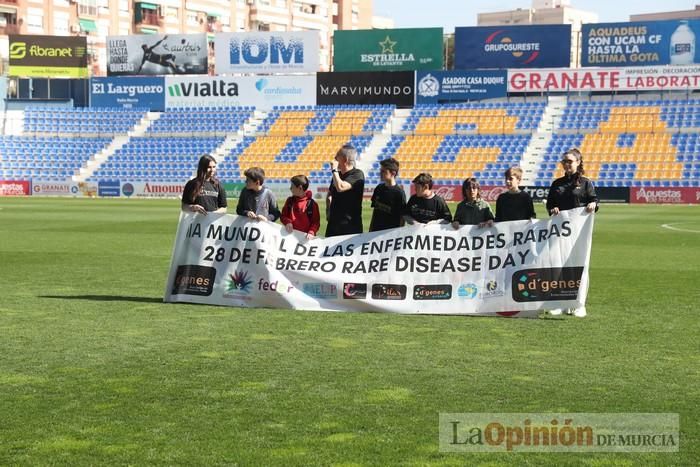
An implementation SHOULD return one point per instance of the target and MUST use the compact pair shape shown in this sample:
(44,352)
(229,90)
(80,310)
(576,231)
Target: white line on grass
(671,227)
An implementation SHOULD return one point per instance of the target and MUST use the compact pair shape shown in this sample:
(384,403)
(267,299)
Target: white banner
(267,52)
(651,78)
(155,54)
(262,92)
(513,268)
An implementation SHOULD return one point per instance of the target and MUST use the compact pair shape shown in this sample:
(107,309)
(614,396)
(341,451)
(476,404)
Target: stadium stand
(646,143)
(649,143)
(50,158)
(80,121)
(454,141)
(203,120)
(303,139)
(151,159)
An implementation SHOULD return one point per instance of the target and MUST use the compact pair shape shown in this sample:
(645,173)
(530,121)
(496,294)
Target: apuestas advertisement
(267,52)
(388,49)
(640,43)
(154,54)
(48,56)
(446,86)
(128,92)
(664,195)
(366,88)
(513,46)
(605,79)
(263,92)
(14,188)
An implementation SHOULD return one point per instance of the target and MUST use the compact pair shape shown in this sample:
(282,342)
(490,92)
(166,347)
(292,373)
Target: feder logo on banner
(128,92)
(48,56)
(444,86)
(640,43)
(513,46)
(153,54)
(366,88)
(267,52)
(260,92)
(388,49)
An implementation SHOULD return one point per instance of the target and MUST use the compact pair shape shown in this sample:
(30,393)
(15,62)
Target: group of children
(390,208)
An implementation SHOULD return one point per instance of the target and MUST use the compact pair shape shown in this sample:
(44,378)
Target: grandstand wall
(638,129)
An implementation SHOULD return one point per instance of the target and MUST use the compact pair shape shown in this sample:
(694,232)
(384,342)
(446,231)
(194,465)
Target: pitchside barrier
(451,193)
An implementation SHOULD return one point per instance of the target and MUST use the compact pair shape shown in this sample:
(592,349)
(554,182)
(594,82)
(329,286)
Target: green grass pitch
(96,370)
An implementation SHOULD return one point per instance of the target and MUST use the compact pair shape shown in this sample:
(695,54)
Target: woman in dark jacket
(573,190)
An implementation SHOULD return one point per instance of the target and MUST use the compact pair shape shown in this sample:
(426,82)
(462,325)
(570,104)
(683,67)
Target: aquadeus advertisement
(388,49)
(154,54)
(267,52)
(48,56)
(658,78)
(640,43)
(263,92)
(513,46)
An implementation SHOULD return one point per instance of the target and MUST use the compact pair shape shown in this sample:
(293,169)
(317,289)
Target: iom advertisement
(447,86)
(262,92)
(48,56)
(656,78)
(153,54)
(513,47)
(640,43)
(128,93)
(388,49)
(267,52)
(512,268)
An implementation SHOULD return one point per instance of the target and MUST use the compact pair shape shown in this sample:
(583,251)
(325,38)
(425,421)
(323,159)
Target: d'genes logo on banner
(546,284)
(432,292)
(388,291)
(194,280)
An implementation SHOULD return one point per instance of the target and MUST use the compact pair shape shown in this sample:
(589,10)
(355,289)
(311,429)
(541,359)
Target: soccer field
(95,369)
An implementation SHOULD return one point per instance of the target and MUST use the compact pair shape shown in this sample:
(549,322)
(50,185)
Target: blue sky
(451,13)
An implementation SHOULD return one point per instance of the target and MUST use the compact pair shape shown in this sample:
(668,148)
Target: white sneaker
(569,311)
(580,312)
(555,312)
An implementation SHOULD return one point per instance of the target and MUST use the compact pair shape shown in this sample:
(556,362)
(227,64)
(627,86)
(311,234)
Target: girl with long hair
(204,193)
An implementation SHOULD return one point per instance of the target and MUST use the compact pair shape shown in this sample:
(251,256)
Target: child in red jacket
(300,211)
